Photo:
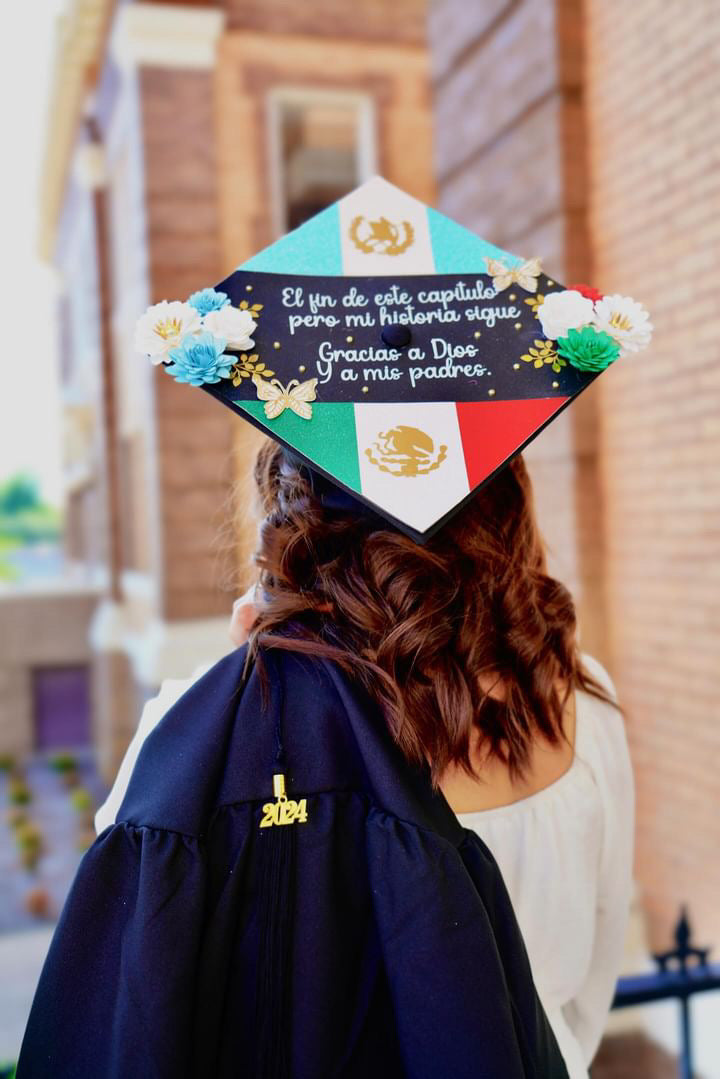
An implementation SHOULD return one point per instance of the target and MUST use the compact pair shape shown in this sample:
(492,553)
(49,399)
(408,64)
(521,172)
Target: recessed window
(323,147)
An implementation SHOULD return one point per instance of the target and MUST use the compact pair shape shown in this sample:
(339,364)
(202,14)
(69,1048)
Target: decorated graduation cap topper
(395,352)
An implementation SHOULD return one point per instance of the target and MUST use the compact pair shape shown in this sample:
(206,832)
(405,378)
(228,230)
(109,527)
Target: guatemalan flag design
(414,426)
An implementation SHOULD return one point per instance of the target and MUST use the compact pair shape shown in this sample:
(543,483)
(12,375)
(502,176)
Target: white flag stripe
(431,454)
(375,200)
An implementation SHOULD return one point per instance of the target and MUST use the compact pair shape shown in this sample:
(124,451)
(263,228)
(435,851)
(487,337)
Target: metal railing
(682,972)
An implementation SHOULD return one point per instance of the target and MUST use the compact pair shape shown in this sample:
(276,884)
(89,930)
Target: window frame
(278,98)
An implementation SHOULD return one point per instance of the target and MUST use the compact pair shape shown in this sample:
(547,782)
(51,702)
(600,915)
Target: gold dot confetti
(491,393)
(301,368)
(276,344)
(518,325)
(476,334)
(248,288)
(364,389)
(516,366)
(349,338)
(550,282)
(555,385)
(513,296)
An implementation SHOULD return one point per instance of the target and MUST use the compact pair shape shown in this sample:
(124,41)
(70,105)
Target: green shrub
(62,761)
(18,792)
(28,836)
(15,816)
(81,799)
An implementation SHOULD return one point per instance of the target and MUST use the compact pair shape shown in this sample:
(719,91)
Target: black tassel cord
(276,891)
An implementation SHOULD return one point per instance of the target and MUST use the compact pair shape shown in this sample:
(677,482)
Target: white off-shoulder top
(565,854)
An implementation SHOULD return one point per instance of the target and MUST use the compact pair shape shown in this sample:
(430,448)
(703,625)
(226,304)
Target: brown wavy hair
(421,627)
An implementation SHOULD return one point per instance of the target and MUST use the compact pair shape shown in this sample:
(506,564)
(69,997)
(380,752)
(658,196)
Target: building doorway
(61,707)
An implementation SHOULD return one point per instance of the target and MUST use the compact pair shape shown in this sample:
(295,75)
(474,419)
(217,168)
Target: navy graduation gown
(377,939)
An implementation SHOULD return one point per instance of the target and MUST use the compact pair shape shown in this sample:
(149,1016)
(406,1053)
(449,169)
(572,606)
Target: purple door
(61,701)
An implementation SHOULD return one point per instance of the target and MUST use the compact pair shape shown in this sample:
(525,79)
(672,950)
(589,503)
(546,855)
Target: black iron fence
(682,972)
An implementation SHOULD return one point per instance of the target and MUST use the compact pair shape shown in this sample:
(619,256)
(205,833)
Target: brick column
(174,54)
(653,93)
(511,165)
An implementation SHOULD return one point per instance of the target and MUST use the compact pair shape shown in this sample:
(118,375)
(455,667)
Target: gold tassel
(283,810)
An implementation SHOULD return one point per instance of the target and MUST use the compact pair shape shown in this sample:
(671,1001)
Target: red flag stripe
(491,431)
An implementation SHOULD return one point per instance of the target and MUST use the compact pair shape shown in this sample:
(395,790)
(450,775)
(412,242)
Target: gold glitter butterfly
(525,275)
(294,396)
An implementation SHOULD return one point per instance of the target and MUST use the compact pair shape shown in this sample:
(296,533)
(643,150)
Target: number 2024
(284,812)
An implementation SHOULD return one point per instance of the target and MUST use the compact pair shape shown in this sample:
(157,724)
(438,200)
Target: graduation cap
(400,356)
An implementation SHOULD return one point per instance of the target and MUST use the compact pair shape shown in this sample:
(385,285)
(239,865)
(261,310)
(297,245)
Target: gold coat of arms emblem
(381,237)
(405,451)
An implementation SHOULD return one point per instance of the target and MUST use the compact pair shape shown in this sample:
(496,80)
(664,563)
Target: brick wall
(39,629)
(252,65)
(374,20)
(194,435)
(653,94)
(383,21)
(588,133)
(510,160)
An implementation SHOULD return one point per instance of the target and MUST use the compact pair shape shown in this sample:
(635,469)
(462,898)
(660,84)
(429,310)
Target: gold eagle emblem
(381,237)
(405,451)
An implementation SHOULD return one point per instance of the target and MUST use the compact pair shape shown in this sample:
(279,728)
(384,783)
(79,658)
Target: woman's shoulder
(601,734)
(213,739)
(595,668)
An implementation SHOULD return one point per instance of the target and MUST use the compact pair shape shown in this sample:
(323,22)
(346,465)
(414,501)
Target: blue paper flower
(207,300)
(200,358)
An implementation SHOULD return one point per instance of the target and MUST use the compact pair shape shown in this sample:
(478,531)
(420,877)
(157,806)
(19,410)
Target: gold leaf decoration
(534,302)
(544,353)
(254,308)
(247,366)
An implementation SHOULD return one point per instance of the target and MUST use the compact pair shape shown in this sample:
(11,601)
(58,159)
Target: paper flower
(200,358)
(207,300)
(587,290)
(563,311)
(587,349)
(233,325)
(163,326)
(625,320)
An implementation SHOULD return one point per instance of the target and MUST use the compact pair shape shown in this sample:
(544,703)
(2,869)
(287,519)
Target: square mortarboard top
(398,354)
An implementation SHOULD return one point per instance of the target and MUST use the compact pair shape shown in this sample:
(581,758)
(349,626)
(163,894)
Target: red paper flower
(587,290)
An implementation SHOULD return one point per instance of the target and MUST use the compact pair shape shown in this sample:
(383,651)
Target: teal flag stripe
(459,251)
(312,248)
(328,438)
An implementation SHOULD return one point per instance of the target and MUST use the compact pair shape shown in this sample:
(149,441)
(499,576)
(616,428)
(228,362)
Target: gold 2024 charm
(283,810)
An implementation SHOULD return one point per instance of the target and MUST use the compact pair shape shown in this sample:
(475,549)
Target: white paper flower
(563,311)
(163,327)
(234,326)
(625,320)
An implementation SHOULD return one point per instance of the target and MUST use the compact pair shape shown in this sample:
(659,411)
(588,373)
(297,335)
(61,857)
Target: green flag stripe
(328,438)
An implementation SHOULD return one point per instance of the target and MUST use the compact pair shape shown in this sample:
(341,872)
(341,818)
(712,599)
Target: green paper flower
(587,349)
